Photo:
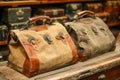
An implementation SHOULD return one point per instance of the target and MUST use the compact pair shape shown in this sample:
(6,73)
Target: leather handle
(36,18)
(84,13)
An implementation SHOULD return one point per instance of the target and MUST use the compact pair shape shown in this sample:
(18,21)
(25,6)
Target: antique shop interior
(59,40)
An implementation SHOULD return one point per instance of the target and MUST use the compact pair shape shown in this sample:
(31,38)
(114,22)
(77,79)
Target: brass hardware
(31,39)
(20,18)
(74,6)
(60,36)
(3,27)
(20,14)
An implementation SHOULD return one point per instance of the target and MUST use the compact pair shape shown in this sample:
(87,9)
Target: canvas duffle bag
(90,34)
(41,48)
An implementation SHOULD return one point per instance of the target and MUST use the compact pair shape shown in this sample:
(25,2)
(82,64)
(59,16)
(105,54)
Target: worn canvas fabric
(40,49)
(90,34)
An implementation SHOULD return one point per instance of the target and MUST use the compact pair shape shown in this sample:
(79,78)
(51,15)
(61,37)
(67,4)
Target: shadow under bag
(41,48)
(90,34)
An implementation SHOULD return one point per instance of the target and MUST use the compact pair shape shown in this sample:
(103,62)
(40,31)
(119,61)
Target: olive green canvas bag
(90,34)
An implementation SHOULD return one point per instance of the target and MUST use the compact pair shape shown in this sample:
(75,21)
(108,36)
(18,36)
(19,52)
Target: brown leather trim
(39,28)
(73,48)
(4,42)
(82,57)
(31,64)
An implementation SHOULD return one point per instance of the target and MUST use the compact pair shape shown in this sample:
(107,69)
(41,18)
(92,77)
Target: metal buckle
(47,38)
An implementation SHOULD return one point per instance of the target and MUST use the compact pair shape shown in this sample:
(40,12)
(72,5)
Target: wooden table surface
(75,71)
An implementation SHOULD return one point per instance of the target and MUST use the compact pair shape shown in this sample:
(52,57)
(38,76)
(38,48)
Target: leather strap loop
(83,14)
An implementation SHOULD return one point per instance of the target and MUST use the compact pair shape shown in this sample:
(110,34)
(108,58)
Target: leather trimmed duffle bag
(90,34)
(41,48)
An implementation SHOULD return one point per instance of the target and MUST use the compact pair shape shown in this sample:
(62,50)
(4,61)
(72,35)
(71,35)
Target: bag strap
(73,48)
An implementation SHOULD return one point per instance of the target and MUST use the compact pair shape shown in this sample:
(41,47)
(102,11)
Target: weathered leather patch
(31,64)
(39,28)
(73,48)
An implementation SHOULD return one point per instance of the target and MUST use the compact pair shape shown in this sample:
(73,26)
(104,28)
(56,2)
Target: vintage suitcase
(109,6)
(95,7)
(16,15)
(115,11)
(41,48)
(51,12)
(72,9)
(3,35)
(104,16)
(116,5)
(90,34)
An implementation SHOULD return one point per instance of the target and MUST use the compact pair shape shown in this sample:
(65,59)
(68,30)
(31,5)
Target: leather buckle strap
(73,48)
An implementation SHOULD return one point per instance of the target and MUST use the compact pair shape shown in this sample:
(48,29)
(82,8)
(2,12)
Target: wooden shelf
(18,3)
(63,1)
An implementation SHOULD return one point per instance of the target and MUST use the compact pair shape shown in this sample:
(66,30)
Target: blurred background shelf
(19,3)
